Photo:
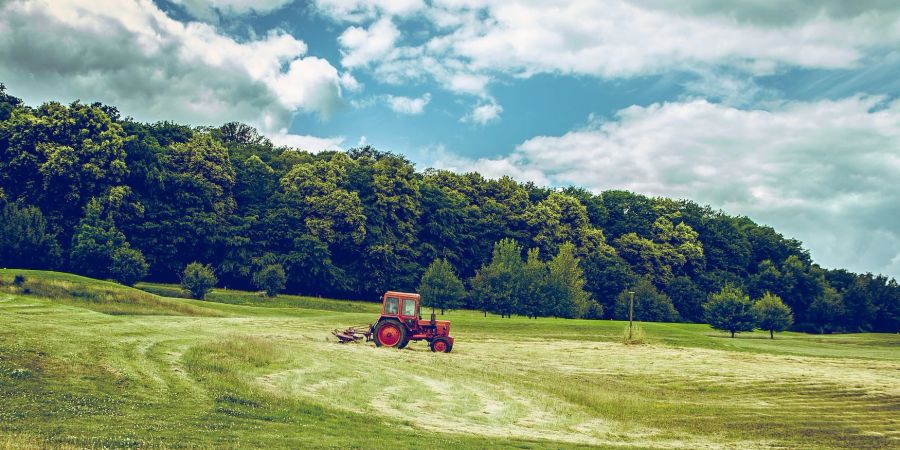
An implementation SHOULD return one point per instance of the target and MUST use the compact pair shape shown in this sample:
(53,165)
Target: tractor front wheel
(441,345)
(390,333)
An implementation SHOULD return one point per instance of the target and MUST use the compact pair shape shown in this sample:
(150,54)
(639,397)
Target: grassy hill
(86,363)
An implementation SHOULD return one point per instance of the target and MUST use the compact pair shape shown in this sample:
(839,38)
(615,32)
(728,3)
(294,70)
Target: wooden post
(630,315)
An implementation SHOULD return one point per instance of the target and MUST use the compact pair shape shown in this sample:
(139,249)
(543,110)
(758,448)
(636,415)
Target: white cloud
(483,113)
(824,172)
(349,83)
(361,46)
(154,67)
(312,144)
(473,42)
(408,105)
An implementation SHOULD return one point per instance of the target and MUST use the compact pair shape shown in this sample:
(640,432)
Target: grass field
(92,364)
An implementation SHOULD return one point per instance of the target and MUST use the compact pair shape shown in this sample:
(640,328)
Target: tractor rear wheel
(441,345)
(390,333)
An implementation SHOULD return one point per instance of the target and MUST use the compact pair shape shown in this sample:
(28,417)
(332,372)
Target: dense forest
(85,190)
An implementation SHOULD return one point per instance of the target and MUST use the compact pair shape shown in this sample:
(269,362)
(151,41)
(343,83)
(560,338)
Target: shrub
(198,279)
(270,279)
(128,266)
(19,280)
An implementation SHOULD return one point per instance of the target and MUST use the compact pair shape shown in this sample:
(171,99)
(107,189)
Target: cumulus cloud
(361,46)
(408,105)
(824,172)
(483,113)
(153,67)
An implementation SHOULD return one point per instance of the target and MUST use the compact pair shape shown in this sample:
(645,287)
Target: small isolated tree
(772,314)
(730,310)
(271,279)
(440,287)
(128,266)
(198,279)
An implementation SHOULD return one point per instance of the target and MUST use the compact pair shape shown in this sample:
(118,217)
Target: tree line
(86,190)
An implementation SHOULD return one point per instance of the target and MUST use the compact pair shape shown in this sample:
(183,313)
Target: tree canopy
(86,190)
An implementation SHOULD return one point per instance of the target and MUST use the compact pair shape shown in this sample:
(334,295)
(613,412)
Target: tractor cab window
(409,307)
(391,305)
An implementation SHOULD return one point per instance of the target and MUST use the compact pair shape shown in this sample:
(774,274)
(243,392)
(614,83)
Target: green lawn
(85,363)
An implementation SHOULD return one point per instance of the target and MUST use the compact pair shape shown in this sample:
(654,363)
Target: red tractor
(400,322)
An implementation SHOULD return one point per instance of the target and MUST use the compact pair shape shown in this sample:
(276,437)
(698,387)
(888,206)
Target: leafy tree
(496,287)
(606,275)
(826,312)
(270,278)
(650,305)
(128,266)
(730,310)
(198,279)
(7,103)
(58,157)
(26,240)
(772,314)
(567,280)
(537,295)
(440,286)
(859,303)
(95,242)
(687,298)
(801,283)
(766,279)
(557,219)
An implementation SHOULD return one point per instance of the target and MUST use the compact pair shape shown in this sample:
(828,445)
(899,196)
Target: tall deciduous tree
(567,279)
(537,295)
(96,247)
(497,286)
(440,287)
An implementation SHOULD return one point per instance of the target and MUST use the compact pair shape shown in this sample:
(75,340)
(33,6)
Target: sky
(786,112)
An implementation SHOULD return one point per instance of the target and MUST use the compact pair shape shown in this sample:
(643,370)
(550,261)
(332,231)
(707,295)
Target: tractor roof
(402,294)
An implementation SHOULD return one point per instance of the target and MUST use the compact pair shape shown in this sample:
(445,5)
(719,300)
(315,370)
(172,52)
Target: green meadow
(92,364)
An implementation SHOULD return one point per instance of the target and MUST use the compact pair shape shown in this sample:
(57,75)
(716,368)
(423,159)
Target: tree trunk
(442,311)
(771,334)
(732,334)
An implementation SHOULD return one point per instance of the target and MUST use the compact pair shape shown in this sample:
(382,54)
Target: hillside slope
(270,376)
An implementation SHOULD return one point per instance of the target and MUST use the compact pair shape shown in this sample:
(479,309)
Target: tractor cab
(401,322)
(402,305)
